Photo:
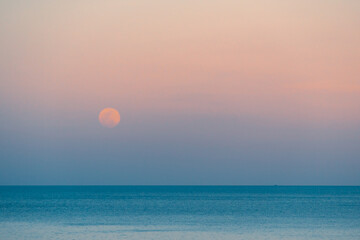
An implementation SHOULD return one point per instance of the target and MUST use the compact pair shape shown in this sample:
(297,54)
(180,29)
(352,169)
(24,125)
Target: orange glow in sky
(109,117)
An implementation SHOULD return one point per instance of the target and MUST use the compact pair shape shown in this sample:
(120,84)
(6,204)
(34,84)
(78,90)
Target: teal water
(179,212)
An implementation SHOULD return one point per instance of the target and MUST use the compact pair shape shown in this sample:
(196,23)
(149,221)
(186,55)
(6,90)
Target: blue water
(179,212)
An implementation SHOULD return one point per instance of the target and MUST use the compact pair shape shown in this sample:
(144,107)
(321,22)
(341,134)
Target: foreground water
(179,212)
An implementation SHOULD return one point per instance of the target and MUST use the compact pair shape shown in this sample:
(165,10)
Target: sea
(179,212)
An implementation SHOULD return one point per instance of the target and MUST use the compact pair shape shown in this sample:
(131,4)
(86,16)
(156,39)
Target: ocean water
(179,212)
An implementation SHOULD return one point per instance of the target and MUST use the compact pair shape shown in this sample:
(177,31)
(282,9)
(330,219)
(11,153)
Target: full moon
(109,117)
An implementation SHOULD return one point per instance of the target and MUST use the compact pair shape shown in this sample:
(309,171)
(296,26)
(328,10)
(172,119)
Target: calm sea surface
(179,212)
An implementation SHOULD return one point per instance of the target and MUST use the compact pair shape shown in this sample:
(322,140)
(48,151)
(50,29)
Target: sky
(250,92)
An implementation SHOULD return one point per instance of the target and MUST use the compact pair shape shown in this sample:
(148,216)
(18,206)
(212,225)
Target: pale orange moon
(109,117)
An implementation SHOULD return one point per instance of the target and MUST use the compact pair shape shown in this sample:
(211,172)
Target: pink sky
(209,92)
(294,62)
